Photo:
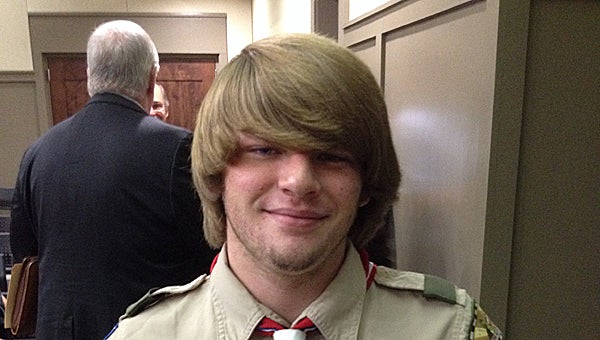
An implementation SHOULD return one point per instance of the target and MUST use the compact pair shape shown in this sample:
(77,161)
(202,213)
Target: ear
(215,186)
(216,190)
(149,95)
(152,82)
(364,201)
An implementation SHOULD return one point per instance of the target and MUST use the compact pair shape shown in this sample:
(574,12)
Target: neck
(145,102)
(287,294)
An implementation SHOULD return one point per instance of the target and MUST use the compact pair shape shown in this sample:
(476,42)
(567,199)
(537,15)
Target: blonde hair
(305,92)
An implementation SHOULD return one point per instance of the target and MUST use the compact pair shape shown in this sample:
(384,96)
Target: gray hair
(120,58)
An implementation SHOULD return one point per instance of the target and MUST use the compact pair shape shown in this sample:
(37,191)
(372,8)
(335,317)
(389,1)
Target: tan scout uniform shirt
(398,305)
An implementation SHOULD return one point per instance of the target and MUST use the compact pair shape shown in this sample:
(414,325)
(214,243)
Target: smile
(296,218)
(294,213)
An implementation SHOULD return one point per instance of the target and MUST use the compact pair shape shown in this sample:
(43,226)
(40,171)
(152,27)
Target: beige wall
(280,16)
(555,272)
(18,123)
(239,12)
(439,88)
(495,113)
(15,50)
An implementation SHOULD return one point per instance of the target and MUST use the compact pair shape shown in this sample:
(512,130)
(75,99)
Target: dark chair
(5,260)
(6,195)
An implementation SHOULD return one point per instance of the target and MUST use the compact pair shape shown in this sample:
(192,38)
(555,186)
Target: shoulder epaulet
(155,295)
(437,288)
(430,286)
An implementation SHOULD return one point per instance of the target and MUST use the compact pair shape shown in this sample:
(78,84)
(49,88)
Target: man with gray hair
(105,198)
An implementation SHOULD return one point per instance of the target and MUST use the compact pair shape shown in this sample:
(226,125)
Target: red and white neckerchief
(369,267)
(267,326)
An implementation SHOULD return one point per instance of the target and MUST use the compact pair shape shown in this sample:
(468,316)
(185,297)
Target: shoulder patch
(440,289)
(155,295)
(397,279)
(483,327)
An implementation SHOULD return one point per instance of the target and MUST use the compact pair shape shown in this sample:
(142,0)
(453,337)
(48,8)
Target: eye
(263,150)
(255,147)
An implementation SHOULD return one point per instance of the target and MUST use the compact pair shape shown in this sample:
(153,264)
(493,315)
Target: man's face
(158,108)
(289,210)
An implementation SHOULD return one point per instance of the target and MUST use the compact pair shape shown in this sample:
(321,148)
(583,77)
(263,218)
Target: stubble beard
(299,261)
(294,262)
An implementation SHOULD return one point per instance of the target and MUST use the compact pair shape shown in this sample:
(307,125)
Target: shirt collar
(237,310)
(130,99)
(336,312)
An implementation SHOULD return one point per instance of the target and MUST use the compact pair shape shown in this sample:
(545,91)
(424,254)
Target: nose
(298,176)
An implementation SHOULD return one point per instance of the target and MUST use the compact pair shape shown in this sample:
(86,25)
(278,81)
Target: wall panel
(436,64)
(18,123)
(15,47)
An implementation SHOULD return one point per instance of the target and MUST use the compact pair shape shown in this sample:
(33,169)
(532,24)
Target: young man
(295,166)
(105,198)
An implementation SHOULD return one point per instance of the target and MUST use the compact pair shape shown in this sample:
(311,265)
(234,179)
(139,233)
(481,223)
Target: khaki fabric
(219,307)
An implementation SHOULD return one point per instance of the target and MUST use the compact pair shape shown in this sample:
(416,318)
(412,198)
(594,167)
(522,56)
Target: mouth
(296,217)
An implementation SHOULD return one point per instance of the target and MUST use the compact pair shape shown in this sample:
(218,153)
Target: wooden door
(186,80)
(68,85)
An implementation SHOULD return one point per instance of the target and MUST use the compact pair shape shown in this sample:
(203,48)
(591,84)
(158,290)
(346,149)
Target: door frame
(68,33)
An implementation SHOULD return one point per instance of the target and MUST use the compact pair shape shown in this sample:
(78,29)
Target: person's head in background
(300,92)
(160,104)
(121,58)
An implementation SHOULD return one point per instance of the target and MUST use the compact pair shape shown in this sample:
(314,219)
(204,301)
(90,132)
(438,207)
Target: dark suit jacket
(106,200)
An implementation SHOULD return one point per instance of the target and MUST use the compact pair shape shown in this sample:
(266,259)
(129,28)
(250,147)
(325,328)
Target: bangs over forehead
(298,96)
